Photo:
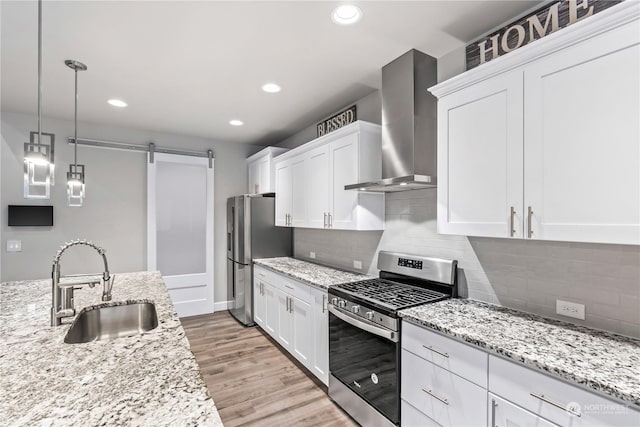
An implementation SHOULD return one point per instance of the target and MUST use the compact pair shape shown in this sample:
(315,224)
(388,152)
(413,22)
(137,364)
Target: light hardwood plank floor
(251,380)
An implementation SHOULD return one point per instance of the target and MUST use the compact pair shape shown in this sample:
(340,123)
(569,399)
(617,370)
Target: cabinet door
(284,189)
(302,345)
(254,178)
(582,152)
(318,186)
(259,302)
(264,184)
(344,171)
(284,332)
(271,313)
(299,192)
(480,150)
(503,413)
(320,330)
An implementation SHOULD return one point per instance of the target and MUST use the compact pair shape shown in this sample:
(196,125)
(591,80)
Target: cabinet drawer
(503,413)
(263,274)
(294,288)
(411,417)
(457,357)
(521,385)
(441,395)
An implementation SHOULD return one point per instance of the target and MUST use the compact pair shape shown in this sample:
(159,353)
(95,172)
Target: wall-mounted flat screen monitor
(30,216)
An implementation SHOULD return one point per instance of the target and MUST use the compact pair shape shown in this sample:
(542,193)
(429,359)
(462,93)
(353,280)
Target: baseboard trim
(222,305)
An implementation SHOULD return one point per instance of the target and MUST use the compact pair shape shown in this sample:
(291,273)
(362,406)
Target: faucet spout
(62,299)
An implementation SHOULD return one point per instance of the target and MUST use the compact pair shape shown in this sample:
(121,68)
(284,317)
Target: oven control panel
(358,311)
(410,263)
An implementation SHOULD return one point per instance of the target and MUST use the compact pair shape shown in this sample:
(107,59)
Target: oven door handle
(365,326)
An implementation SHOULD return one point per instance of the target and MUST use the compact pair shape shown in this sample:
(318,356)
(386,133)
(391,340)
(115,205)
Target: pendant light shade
(38,152)
(75,176)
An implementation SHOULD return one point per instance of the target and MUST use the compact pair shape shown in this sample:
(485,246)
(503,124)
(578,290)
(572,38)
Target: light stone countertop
(602,361)
(316,275)
(143,380)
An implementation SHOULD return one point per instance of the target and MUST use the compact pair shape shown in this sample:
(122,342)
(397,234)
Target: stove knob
(334,301)
(370,315)
(342,303)
(355,309)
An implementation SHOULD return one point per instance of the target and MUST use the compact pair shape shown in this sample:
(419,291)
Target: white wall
(114,215)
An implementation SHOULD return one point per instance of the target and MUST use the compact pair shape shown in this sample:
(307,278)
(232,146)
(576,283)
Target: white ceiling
(190,67)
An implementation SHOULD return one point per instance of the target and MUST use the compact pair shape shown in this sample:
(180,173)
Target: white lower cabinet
(295,315)
(447,382)
(555,400)
(320,334)
(504,413)
(441,395)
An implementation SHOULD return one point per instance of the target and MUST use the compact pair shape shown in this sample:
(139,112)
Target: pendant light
(75,176)
(38,153)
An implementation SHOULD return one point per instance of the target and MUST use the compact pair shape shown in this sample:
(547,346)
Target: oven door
(365,357)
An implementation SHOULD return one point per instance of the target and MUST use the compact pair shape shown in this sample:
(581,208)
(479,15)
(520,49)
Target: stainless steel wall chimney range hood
(408,125)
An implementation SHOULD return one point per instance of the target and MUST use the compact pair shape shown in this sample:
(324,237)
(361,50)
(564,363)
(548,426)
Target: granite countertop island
(314,274)
(602,361)
(148,379)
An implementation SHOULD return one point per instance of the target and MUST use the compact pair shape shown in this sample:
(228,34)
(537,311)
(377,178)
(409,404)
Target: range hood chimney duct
(409,126)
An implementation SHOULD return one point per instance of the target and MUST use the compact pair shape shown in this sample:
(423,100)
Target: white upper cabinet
(261,172)
(312,195)
(480,168)
(582,140)
(544,143)
(284,191)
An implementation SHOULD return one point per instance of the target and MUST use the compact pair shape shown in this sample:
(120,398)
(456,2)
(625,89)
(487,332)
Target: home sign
(548,19)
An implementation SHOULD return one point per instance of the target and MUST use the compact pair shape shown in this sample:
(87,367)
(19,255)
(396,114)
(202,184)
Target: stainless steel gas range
(364,332)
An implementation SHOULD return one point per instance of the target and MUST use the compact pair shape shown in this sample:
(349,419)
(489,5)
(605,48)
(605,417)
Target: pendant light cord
(39,70)
(75,126)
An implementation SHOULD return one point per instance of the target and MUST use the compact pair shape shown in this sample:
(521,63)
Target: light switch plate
(357,264)
(570,309)
(312,255)
(14,245)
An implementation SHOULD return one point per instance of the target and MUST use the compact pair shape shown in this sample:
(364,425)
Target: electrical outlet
(312,255)
(14,245)
(357,265)
(570,309)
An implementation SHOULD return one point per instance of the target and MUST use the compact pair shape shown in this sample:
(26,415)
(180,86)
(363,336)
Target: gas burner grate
(392,294)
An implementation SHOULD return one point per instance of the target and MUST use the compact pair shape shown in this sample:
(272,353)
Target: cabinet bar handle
(493,413)
(288,287)
(325,219)
(330,221)
(428,347)
(287,304)
(512,214)
(529,226)
(557,405)
(324,301)
(290,305)
(445,401)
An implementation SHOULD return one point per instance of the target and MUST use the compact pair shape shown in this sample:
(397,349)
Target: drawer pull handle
(288,287)
(557,405)
(445,401)
(428,347)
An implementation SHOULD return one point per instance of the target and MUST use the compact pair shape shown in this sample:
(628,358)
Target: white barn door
(180,229)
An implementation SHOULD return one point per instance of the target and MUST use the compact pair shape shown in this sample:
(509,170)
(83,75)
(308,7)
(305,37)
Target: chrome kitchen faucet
(62,294)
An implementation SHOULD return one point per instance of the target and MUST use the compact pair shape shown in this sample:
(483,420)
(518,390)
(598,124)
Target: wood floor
(251,380)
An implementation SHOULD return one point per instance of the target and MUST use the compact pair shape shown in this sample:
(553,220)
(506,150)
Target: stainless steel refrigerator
(251,234)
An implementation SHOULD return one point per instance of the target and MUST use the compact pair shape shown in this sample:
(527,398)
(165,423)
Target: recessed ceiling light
(236,122)
(346,14)
(117,103)
(271,87)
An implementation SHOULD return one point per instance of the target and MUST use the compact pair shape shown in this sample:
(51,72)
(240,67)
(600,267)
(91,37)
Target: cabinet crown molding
(604,21)
(358,125)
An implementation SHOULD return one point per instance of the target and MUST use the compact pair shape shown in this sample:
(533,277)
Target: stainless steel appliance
(409,126)
(251,234)
(364,332)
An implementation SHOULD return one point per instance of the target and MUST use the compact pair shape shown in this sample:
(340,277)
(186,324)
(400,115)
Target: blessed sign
(544,21)
(341,119)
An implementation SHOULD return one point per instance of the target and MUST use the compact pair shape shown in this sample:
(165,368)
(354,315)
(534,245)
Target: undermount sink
(113,322)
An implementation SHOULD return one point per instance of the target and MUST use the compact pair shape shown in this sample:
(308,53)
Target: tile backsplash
(525,275)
